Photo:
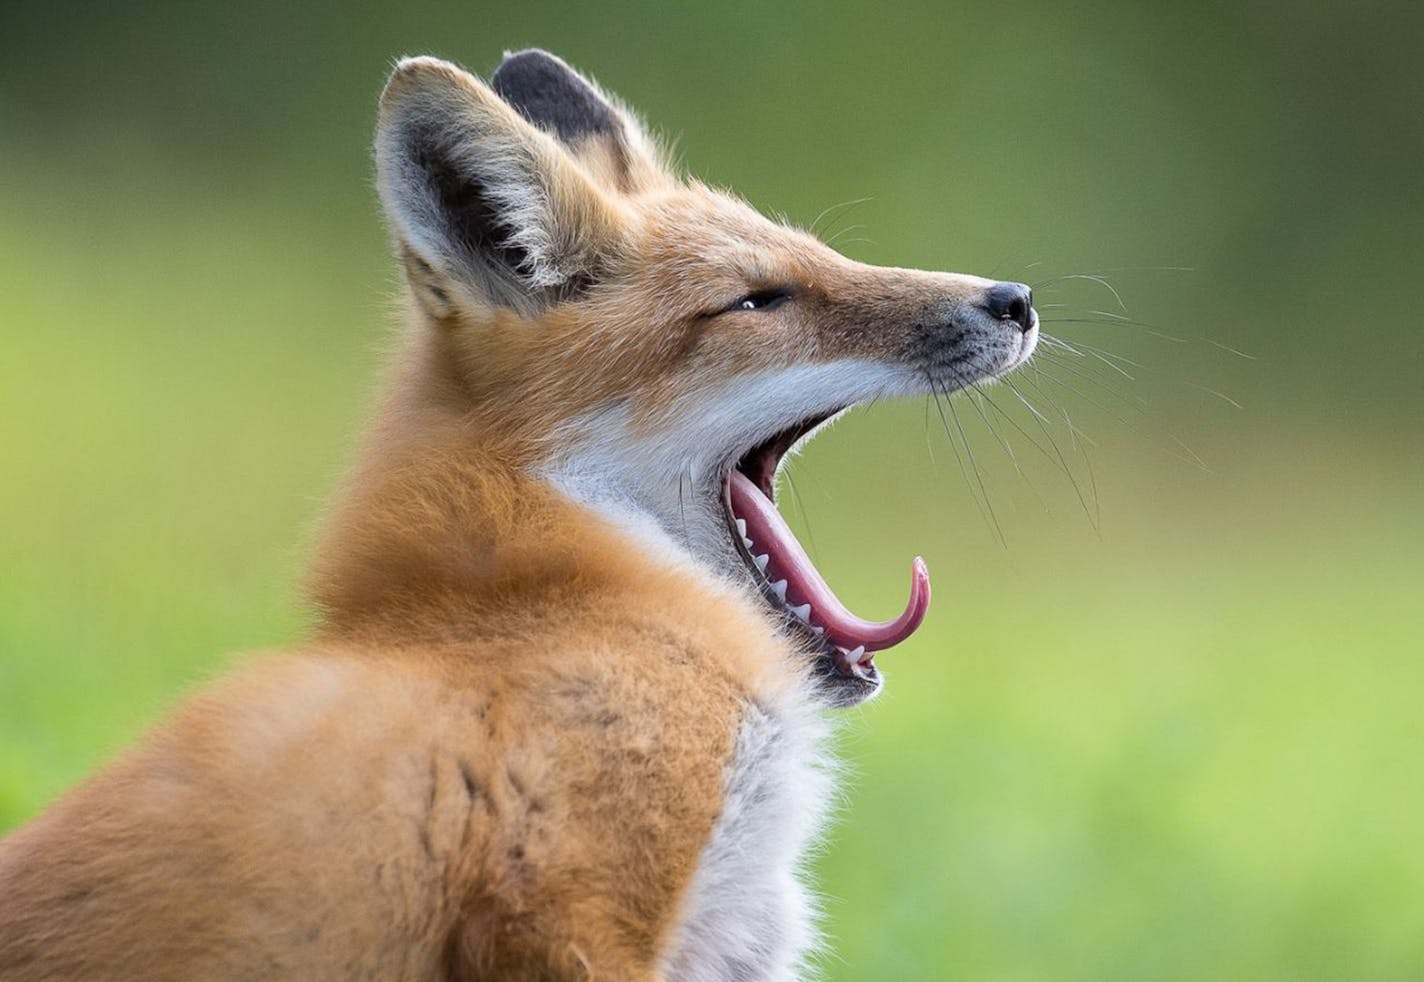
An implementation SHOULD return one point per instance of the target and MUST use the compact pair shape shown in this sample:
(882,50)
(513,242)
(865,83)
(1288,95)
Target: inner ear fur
(488,208)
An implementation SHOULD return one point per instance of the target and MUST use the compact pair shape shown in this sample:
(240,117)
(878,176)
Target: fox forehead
(686,253)
(645,340)
(559,272)
(696,247)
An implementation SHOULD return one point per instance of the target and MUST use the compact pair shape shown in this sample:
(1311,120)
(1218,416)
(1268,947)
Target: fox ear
(487,207)
(605,135)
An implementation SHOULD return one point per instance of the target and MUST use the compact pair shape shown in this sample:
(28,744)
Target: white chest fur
(747,916)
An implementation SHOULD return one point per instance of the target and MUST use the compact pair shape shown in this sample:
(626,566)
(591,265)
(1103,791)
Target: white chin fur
(660,481)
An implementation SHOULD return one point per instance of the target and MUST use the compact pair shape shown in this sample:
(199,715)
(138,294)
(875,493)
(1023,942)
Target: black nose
(1011,302)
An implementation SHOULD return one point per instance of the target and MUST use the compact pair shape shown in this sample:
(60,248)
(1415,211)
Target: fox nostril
(1011,302)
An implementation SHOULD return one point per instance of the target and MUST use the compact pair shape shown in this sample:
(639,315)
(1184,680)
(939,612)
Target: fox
(565,708)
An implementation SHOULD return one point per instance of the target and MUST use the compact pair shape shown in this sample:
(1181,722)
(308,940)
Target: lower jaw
(841,680)
(839,687)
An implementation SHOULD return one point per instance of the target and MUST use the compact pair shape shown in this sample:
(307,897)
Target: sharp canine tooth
(857,655)
(742,527)
(804,612)
(761,561)
(779,588)
(747,542)
(816,627)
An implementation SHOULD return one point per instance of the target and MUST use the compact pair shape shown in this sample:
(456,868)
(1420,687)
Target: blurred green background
(1164,723)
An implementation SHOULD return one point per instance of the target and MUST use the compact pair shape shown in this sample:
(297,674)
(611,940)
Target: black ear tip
(548,93)
(522,68)
(532,69)
(529,57)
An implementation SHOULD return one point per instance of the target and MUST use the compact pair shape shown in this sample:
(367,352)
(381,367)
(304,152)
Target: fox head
(646,345)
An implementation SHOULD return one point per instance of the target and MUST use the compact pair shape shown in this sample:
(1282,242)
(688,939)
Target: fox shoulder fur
(550,725)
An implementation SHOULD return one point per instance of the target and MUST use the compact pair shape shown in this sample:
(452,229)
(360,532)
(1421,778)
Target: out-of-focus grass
(169,420)
(1184,748)
(1186,763)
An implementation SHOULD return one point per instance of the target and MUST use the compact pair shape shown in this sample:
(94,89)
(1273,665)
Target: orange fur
(506,746)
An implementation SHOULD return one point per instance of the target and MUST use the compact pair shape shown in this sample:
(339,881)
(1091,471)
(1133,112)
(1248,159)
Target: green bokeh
(1167,728)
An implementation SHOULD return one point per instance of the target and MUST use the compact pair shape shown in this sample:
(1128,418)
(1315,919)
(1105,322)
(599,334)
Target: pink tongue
(786,560)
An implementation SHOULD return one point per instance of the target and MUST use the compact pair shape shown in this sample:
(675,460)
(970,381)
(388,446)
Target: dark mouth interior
(760,462)
(787,576)
(759,465)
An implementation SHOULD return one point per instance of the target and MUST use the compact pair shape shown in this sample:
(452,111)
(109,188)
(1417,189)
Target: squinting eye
(762,300)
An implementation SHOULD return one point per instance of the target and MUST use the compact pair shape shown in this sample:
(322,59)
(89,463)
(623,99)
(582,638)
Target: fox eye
(762,299)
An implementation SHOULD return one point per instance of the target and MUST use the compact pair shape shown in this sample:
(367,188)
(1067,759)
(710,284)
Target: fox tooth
(804,613)
(858,655)
(815,627)
(779,588)
(747,542)
(742,527)
(761,561)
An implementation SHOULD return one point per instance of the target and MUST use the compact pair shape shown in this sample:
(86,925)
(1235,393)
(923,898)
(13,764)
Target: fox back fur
(550,724)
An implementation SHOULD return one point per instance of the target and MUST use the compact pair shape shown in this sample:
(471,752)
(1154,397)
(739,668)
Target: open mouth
(789,580)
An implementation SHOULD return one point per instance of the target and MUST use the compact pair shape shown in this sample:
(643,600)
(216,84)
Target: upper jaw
(988,357)
(666,485)
(1027,344)
(846,675)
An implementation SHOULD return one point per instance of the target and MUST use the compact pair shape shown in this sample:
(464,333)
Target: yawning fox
(562,716)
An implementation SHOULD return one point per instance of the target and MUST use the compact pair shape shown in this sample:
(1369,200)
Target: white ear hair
(479,195)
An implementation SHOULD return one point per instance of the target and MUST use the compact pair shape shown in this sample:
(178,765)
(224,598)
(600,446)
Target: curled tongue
(787,561)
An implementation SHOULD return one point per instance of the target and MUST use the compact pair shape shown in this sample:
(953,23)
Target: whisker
(1144,328)
(1103,355)
(1079,370)
(944,420)
(929,444)
(1090,347)
(977,394)
(1121,371)
(1058,343)
(852,203)
(1192,453)
(1090,277)
(1082,448)
(1074,436)
(1229,349)
(1089,351)
(1037,366)
(1018,271)
(1022,432)
(805,518)
(1192,459)
(1149,269)
(1119,319)
(1220,395)
(1047,396)
(858,239)
(1112,318)
(1062,366)
(978,475)
(1043,425)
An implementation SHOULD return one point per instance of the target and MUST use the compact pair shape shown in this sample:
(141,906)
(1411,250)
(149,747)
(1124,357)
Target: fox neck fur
(557,719)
